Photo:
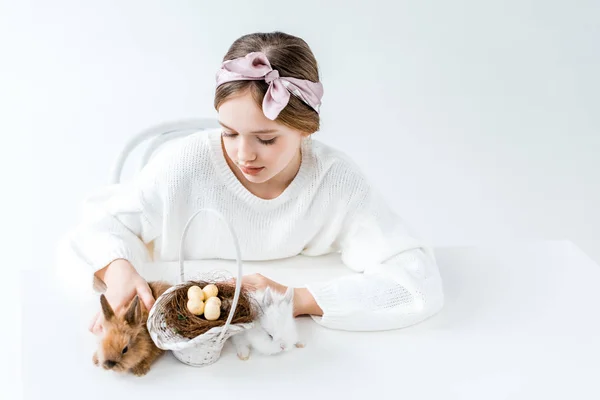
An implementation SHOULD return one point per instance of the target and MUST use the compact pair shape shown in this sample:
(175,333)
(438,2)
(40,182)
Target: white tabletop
(520,322)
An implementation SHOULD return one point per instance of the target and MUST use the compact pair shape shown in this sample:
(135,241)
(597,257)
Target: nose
(245,151)
(109,364)
(282,345)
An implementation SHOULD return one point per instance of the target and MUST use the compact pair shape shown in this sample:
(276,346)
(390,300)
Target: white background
(479,121)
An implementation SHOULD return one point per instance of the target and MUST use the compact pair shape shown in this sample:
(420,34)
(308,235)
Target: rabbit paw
(243,353)
(300,345)
(141,369)
(95,359)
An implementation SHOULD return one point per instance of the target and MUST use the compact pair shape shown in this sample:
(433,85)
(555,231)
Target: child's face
(261,149)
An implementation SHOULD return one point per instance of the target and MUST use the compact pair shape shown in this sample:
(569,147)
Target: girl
(285,193)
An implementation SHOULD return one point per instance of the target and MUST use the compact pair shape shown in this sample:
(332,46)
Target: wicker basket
(204,349)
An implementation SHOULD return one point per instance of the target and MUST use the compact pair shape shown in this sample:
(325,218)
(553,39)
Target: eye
(228,134)
(271,336)
(125,350)
(267,142)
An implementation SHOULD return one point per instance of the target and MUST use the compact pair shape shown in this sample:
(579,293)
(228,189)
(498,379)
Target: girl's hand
(304,302)
(256,282)
(122,284)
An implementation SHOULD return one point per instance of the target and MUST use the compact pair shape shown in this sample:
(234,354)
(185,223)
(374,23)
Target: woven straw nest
(183,323)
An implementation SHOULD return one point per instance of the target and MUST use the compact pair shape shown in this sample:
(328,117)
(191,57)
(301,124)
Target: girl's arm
(398,284)
(118,222)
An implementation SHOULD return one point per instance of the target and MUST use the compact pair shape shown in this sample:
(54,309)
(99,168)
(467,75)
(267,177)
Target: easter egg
(195,292)
(210,290)
(196,306)
(212,311)
(214,300)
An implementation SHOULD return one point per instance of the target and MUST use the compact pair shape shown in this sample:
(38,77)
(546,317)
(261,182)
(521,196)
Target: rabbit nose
(282,345)
(109,364)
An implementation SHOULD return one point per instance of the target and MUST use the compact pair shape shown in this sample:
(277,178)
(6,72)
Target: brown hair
(292,57)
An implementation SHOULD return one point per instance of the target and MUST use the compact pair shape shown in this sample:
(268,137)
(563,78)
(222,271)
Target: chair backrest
(157,136)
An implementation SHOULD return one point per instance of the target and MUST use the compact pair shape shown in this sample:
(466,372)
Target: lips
(251,170)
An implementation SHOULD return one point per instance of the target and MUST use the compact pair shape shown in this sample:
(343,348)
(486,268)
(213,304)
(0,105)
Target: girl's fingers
(146,296)
(96,326)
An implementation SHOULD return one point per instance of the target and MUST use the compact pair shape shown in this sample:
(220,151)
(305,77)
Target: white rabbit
(275,330)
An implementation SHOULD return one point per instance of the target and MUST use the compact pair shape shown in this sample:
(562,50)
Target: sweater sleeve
(397,284)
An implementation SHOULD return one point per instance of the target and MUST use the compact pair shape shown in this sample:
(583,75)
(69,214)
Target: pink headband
(255,66)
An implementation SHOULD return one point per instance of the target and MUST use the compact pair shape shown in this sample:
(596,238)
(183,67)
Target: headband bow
(255,66)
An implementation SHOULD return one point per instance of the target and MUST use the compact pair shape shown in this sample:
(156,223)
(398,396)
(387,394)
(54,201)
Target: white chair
(159,135)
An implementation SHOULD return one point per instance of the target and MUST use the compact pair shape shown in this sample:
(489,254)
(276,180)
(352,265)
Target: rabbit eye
(125,349)
(271,336)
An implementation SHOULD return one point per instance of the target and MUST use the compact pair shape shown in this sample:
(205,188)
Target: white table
(520,322)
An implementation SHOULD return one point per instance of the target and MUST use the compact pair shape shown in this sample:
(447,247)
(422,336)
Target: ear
(268,297)
(134,312)
(106,308)
(289,295)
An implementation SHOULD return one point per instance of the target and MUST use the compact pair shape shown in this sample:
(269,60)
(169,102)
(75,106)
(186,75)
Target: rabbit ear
(106,308)
(268,297)
(289,295)
(134,312)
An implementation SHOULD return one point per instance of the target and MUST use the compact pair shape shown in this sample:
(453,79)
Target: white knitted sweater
(328,207)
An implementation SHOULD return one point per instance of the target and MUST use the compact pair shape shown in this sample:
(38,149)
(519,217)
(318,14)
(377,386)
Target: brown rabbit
(126,344)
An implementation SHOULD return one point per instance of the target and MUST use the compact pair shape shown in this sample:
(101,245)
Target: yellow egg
(214,300)
(212,311)
(210,291)
(194,292)
(195,306)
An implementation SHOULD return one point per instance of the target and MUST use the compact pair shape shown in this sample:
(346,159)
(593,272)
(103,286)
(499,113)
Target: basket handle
(238,282)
